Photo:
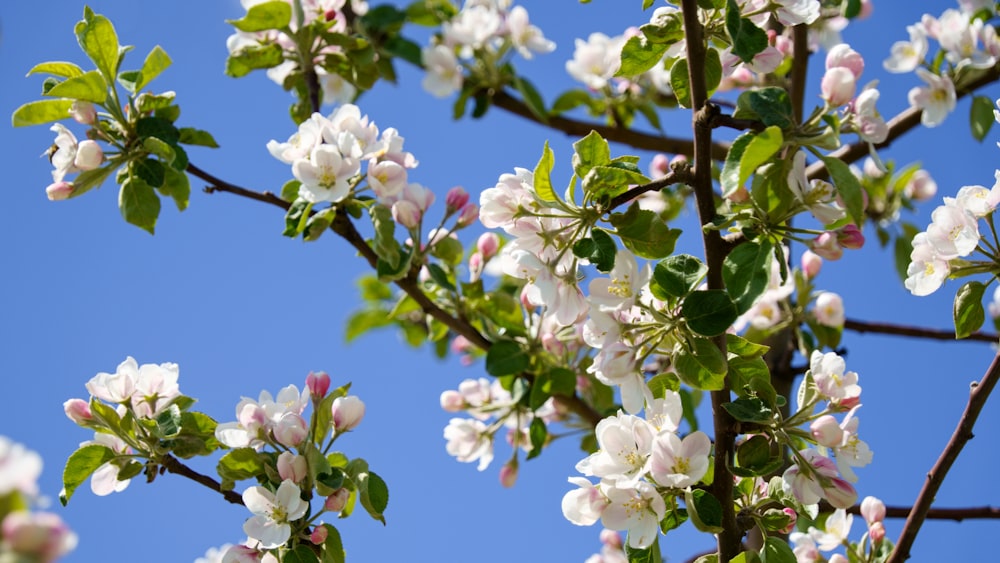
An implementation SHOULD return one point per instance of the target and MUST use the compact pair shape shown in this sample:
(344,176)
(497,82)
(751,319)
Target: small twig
(917,332)
(677,175)
(726,120)
(173,465)
(217,185)
(956,514)
(978,395)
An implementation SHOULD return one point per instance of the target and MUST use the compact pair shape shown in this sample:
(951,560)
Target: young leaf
(749,409)
(264,16)
(156,62)
(538,433)
(639,55)
(80,465)
(679,81)
(239,464)
(42,111)
(252,58)
(56,68)
(649,555)
(543,175)
(748,39)
(89,86)
(644,232)
(703,367)
(177,186)
(98,39)
(968,311)
(333,547)
(139,204)
(848,187)
(678,275)
(385,245)
(588,152)
(776,550)
(770,105)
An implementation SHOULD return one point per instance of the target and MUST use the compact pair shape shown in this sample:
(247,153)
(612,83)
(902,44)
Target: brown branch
(217,185)
(173,465)
(956,514)
(730,538)
(679,174)
(634,139)
(916,332)
(725,120)
(978,395)
(800,67)
(898,125)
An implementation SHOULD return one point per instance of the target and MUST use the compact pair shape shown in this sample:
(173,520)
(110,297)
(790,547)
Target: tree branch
(634,139)
(173,465)
(217,185)
(898,125)
(679,174)
(956,514)
(978,395)
(916,332)
(730,538)
(800,67)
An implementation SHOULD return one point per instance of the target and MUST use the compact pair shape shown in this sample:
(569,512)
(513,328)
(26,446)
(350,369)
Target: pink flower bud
(848,403)
(811,264)
(488,244)
(659,166)
(739,195)
(827,431)
(851,237)
(866,9)
(456,199)
(921,186)
(837,558)
(468,215)
(582,383)
(83,112)
(475,266)
(452,401)
(611,538)
(291,466)
(460,345)
(337,501)
(290,430)
(791,522)
(406,213)
(826,246)
(843,56)
(318,384)
(873,510)
(347,413)
(89,155)
(552,344)
(876,531)
(59,190)
(78,411)
(318,535)
(840,493)
(508,474)
(838,86)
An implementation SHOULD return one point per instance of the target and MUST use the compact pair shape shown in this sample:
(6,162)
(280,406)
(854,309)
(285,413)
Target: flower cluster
(25,534)
(967,43)
(479,38)
(835,533)
(70,156)
(641,464)
(331,13)
(472,439)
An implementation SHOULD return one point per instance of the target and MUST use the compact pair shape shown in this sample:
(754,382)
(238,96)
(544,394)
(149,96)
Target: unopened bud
(452,401)
(838,86)
(468,215)
(337,501)
(318,535)
(83,112)
(318,384)
(791,522)
(406,213)
(827,431)
(611,538)
(59,191)
(811,264)
(347,413)
(78,411)
(851,237)
(826,246)
(508,474)
(873,510)
(291,466)
(876,531)
(456,199)
(659,166)
(488,244)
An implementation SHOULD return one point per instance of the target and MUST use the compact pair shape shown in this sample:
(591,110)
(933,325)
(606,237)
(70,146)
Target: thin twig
(916,332)
(978,395)
(173,465)
(956,514)
(677,175)
(218,185)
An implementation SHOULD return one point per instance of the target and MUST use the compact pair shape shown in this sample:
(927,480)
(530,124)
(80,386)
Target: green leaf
(761,147)
(639,54)
(290,190)
(139,204)
(538,433)
(98,39)
(771,106)
(590,151)
(156,62)
(56,68)
(80,465)
(148,170)
(197,436)
(543,175)
(374,495)
(748,39)
(388,272)
(333,547)
(679,82)
(558,381)
(42,111)
(749,409)
(709,312)
(649,555)
(168,422)
(644,232)
(679,275)
(753,453)
(743,348)
(713,70)
(531,98)
(776,550)
(612,179)
(252,58)
(261,17)
(301,554)
(981,117)
(902,249)
(569,100)
(160,149)
(968,311)
(746,272)
(702,367)
(851,8)
(240,464)
(89,86)
(744,373)
(506,357)
(848,187)
(704,510)
(599,249)
(385,245)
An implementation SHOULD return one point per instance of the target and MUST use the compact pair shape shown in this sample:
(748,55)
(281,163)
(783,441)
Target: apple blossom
(908,55)
(637,509)
(584,505)
(78,411)
(937,99)
(19,468)
(867,121)
(117,387)
(832,381)
(325,174)
(816,480)
(292,467)
(835,531)
(58,191)
(444,73)
(318,384)
(927,270)
(155,388)
(625,282)
(665,413)
(811,263)
(679,463)
(89,155)
(838,86)
(387,179)
(290,429)
(921,186)
(469,441)
(347,413)
(953,231)
(873,510)
(83,112)
(827,431)
(337,501)
(36,536)
(625,443)
(407,214)
(273,511)
(596,60)
(829,309)
(843,56)
(526,38)
(104,480)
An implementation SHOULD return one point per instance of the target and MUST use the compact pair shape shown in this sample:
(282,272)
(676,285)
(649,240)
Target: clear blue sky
(241,309)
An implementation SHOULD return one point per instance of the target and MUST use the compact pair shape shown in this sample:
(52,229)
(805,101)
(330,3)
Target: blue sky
(219,291)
